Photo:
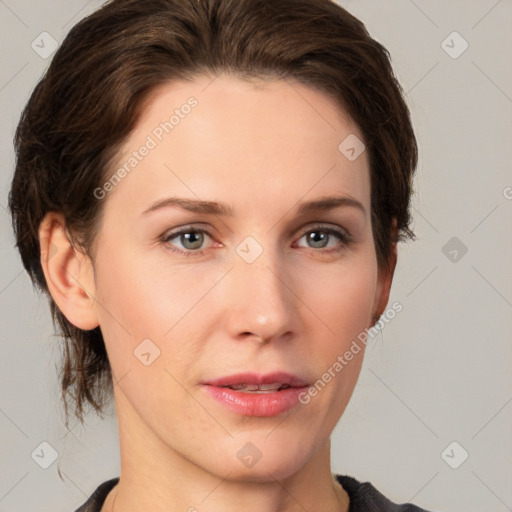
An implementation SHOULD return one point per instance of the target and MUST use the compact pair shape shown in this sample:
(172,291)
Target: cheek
(137,308)
(126,307)
(140,300)
(343,296)
(343,301)
(136,293)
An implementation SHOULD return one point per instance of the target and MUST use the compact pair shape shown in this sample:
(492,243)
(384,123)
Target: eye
(319,237)
(190,239)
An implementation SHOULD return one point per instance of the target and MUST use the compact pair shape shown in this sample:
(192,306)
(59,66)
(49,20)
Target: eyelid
(325,225)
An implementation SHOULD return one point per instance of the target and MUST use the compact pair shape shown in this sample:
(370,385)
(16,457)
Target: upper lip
(258,379)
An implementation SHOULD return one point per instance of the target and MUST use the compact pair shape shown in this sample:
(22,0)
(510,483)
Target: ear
(68,273)
(384,280)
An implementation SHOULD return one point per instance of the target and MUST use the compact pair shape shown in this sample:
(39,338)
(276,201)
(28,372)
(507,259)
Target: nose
(261,302)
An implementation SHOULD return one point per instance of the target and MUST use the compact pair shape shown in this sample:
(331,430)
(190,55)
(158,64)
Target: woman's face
(255,284)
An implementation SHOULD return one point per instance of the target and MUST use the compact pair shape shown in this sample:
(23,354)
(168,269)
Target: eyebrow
(214,208)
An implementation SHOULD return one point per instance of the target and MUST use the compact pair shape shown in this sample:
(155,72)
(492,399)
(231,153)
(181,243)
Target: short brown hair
(90,98)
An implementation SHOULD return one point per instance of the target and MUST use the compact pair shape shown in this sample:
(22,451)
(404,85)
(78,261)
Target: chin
(261,460)
(262,472)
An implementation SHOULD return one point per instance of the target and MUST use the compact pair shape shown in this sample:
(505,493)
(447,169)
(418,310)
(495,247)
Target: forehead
(242,140)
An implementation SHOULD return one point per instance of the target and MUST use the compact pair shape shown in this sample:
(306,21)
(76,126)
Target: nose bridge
(263,303)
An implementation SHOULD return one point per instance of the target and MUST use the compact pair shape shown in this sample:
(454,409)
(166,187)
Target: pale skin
(261,148)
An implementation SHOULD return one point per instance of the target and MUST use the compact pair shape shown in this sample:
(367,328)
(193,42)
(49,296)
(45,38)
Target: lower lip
(256,404)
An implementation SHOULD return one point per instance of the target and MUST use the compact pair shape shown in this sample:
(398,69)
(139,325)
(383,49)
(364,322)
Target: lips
(259,388)
(259,382)
(252,394)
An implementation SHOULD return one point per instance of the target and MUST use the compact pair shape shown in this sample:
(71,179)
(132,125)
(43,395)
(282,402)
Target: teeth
(262,388)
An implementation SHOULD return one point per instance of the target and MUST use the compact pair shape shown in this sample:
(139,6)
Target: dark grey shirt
(363,497)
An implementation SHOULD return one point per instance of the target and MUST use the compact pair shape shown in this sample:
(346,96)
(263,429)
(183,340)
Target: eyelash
(344,237)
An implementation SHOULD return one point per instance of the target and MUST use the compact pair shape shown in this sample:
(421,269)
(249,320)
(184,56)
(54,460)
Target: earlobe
(68,273)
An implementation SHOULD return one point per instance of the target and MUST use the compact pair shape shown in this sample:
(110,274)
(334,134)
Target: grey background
(439,372)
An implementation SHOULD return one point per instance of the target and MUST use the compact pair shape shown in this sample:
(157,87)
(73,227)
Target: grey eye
(192,240)
(318,238)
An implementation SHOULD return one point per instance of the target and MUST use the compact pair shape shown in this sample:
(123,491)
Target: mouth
(255,388)
(256,382)
(251,394)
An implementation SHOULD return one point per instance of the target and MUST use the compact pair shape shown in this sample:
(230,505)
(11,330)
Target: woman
(211,193)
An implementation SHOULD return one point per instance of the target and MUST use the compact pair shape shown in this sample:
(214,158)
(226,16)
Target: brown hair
(90,97)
